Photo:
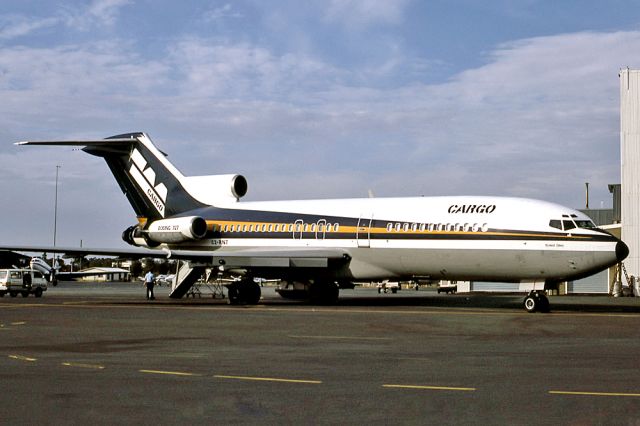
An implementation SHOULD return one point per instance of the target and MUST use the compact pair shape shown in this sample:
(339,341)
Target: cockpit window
(568,224)
(587,224)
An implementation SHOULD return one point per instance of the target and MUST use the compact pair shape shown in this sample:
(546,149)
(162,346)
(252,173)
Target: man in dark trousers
(150,281)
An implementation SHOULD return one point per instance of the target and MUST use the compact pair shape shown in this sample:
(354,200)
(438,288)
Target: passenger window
(329,227)
(485,227)
(555,224)
(336,226)
(398,227)
(313,227)
(290,227)
(414,227)
(270,227)
(263,228)
(432,227)
(405,227)
(389,226)
(244,228)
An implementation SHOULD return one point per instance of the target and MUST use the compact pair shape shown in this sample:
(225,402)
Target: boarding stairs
(186,275)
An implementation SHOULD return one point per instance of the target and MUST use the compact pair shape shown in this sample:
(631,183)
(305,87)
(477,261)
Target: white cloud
(12,26)
(99,13)
(220,13)
(539,119)
(358,14)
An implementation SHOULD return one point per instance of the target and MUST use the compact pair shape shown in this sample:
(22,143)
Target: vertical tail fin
(153,186)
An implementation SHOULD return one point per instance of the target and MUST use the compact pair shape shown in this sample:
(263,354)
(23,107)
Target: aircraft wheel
(245,292)
(324,293)
(531,303)
(233,294)
(543,303)
(250,292)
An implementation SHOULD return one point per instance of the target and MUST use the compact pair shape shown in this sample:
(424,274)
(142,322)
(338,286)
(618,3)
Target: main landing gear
(536,301)
(244,292)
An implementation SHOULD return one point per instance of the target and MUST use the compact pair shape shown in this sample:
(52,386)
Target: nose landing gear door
(363,231)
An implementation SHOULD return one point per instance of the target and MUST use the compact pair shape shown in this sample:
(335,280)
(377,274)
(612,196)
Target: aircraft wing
(240,258)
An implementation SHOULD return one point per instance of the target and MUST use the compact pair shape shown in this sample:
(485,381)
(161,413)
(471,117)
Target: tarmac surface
(101,354)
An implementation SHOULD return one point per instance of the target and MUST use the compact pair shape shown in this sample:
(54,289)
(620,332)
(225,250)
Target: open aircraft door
(363,231)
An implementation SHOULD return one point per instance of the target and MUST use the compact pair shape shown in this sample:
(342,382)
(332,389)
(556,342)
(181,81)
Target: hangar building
(630,165)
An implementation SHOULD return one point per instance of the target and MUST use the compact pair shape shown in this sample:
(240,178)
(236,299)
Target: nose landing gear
(536,301)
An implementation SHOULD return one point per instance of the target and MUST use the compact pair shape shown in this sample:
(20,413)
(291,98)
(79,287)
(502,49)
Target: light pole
(55,209)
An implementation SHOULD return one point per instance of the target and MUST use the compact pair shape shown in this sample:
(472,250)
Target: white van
(23,281)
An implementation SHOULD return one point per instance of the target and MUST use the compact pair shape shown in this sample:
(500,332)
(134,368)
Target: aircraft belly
(526,261)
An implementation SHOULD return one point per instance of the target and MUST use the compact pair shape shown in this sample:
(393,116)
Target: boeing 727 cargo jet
(320,246)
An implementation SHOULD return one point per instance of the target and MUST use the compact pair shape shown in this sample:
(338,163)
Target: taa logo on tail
(145,177)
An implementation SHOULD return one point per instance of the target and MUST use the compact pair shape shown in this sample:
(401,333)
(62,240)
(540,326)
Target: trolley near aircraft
(320,246)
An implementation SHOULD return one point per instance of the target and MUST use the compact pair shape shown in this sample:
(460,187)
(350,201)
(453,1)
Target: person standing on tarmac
(149,281)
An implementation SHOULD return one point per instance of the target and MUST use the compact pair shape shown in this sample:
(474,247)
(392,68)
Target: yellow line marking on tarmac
(339,337)
(79,365)
(18,323)
(635,395)
(23,358)
(268,379)
(315,310)
(169,373)
(444,388)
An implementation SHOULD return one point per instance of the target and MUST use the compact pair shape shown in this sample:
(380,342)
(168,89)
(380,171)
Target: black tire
(394,290)
(13,293)
(543,304)
(250,292)
(233,293)
(531,303)
(25,293)
(2,293)
(324,293)
(38,292)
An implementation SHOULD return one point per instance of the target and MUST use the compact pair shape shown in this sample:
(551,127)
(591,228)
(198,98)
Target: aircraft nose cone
(622,251)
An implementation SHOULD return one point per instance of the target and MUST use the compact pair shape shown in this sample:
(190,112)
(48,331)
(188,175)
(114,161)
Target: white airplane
(320,246)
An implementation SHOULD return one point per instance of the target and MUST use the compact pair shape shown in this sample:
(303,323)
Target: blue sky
(311,99)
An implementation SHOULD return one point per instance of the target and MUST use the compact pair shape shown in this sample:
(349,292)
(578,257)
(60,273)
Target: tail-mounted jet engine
(169,231)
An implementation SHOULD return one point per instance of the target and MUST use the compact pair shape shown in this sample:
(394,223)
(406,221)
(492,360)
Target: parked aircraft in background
(320,246)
